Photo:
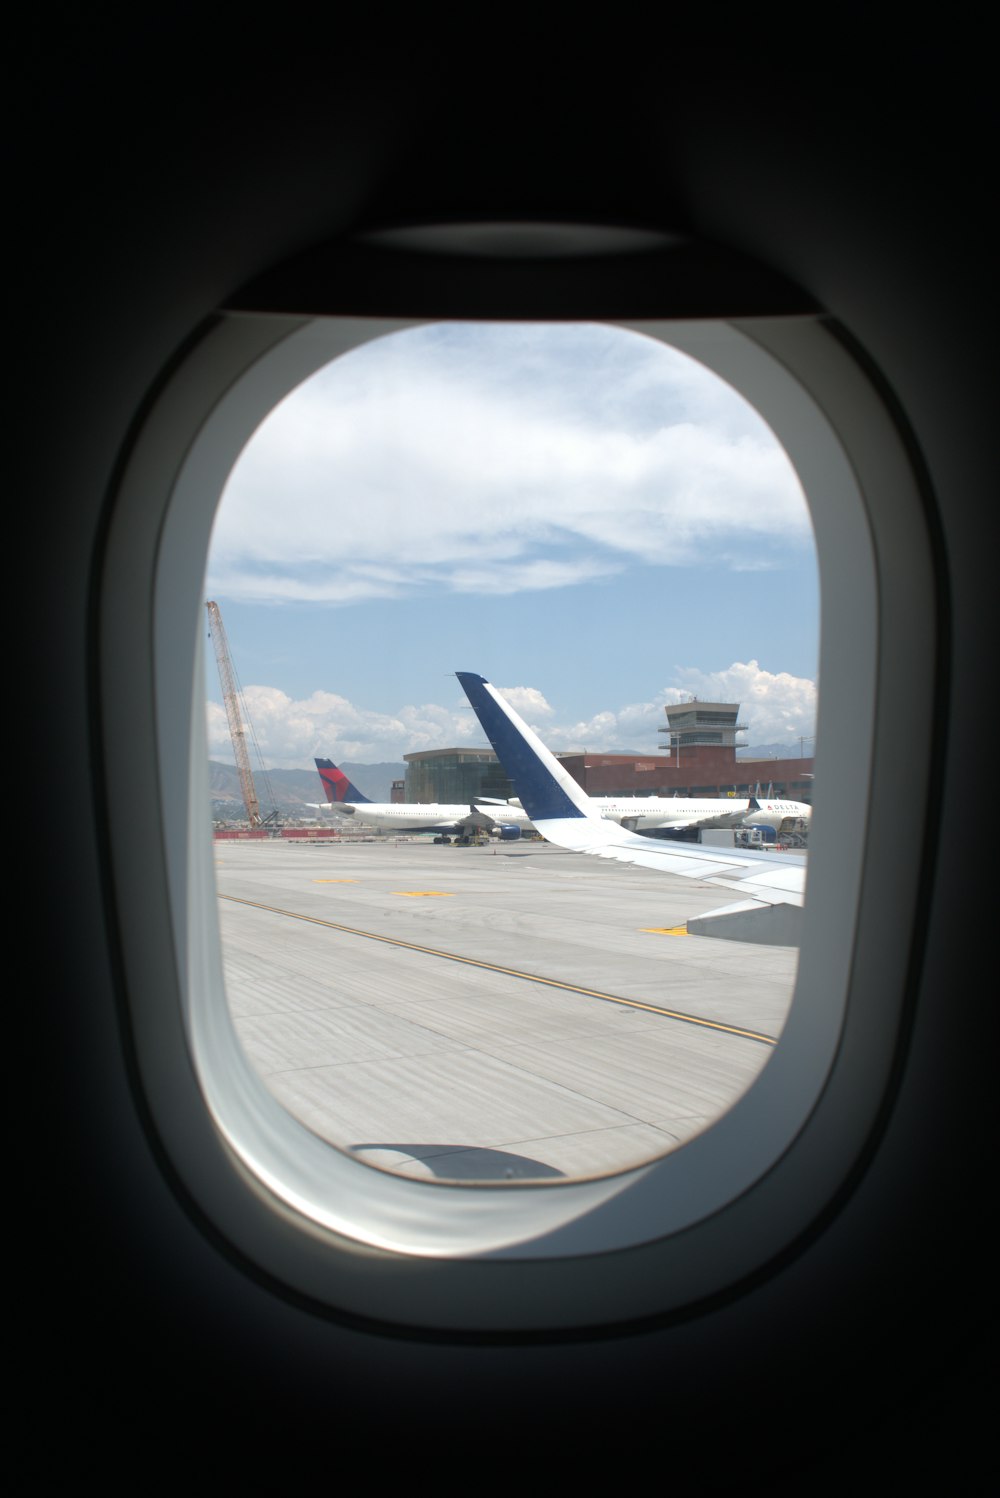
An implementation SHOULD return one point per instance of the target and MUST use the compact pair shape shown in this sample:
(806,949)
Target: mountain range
(292,790)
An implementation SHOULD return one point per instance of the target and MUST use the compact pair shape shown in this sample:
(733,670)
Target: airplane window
(319,1219)
(610,530)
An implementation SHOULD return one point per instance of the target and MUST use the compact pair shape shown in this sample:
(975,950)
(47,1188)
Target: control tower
(702,734)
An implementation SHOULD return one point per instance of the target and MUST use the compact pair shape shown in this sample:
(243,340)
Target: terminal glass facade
(455,776)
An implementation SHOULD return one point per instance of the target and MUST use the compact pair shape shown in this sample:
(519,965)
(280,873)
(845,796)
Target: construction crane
(239,718)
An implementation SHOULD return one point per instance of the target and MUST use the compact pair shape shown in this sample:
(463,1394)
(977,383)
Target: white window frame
(652,1240)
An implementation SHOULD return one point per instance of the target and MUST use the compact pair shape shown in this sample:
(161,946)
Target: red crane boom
(235,712)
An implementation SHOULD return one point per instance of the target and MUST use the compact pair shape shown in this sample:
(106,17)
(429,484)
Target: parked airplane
(204,203)
(460,820)
(688,814)
(636,812)
(780,815)
(563,813)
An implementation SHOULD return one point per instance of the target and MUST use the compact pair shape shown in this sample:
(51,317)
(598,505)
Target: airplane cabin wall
(162,176)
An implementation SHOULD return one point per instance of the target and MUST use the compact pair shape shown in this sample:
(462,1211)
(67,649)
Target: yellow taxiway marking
(665,930)
(510,972)
(422,894)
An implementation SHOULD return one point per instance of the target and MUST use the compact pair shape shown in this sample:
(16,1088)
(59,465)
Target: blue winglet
(543,787)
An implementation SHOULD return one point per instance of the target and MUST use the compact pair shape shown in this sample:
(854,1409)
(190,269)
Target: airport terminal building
(452,776)
(701,761)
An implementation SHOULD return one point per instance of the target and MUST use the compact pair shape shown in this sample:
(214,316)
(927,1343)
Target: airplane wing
(680,824)
(477,818)
(768,877)
(565,815)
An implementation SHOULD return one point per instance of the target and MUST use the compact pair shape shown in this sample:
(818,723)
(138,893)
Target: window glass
(605,530)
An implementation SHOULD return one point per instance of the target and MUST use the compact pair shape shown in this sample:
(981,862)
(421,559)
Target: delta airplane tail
(336,784)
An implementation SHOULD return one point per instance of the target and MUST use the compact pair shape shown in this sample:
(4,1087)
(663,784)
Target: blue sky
(593,521)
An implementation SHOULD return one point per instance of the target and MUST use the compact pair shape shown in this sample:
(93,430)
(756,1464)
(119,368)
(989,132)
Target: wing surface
(565,815)
(774,878)
(685,823)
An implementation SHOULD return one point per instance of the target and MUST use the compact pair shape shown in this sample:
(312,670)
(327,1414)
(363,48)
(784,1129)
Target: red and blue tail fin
(336,785)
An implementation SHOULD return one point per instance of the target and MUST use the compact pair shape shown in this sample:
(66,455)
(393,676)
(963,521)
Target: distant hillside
(756,751)
(779,751)
(294,789)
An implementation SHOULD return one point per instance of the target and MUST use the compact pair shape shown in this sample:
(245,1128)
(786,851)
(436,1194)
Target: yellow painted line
(509,972)
(665,930)
(423,894)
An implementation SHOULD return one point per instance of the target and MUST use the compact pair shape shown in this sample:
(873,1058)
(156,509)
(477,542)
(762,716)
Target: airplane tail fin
(544,788)
(336,784)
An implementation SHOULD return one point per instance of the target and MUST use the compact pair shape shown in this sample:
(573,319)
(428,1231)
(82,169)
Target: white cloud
(291,733)
(499,460)
(528,701)
(778,708)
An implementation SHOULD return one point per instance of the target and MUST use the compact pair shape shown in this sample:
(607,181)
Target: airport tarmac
(499,1012)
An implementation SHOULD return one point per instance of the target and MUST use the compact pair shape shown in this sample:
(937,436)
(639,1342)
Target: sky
(593,521)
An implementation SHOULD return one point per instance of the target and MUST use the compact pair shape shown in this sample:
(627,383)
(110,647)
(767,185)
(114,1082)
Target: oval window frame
(658,1238)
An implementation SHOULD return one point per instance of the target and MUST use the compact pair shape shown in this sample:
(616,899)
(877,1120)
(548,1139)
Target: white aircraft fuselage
(637,813)
(410,816)
(646,813)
